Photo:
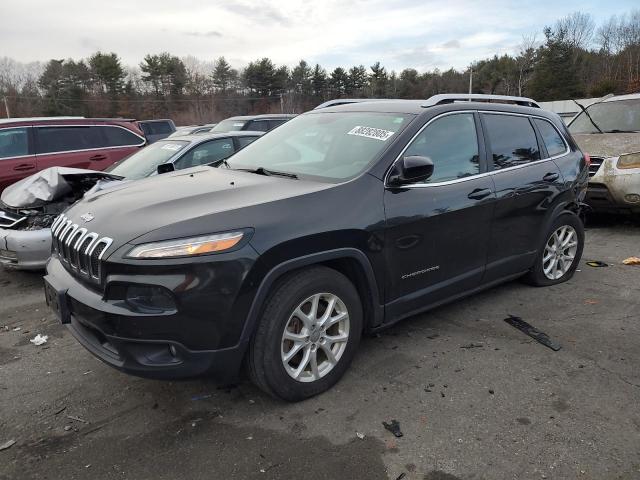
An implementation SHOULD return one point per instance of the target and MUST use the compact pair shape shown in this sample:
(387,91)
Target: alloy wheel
(560,252)
(315,337)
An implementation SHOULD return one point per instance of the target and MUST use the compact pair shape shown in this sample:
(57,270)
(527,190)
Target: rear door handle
(23,167)
(98,157)
(480,193)
(551,177)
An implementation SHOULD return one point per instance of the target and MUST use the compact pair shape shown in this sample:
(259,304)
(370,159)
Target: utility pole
(6,106)
(470,81)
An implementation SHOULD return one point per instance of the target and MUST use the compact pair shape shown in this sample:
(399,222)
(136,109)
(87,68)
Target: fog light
(632,198)
(149,299)
(8,255)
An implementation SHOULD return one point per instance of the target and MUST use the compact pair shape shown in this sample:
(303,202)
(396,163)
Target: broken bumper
(25,249)
(611,188)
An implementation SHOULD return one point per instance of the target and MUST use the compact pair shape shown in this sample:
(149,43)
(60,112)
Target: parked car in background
(193,129)
(609,131)
(28,145)
(260,123)
(155,130)
(25,236)
(342,221)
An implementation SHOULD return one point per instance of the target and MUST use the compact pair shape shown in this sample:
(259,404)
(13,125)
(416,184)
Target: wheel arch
(351,262)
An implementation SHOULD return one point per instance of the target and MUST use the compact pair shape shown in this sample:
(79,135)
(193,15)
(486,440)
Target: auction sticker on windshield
(370,132)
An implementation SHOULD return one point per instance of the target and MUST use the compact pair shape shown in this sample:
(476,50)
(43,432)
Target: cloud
(452,44)
(210,33)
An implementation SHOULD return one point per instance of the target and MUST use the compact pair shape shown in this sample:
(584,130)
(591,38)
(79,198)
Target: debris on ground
(201,396)
(7,444)
(360,435)
(77,419)
(533,332)
(401,476)
(631,261)
(394,427)
(39,339)
(597,263)
(472,345)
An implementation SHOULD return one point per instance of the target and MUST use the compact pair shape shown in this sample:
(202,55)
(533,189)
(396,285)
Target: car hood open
(608,144)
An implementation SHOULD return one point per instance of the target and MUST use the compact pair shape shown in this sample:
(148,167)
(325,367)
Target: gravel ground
(475,398)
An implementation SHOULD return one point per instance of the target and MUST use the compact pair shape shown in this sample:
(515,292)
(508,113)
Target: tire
(268,349)
(542,274)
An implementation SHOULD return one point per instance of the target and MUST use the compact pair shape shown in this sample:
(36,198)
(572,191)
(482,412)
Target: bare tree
(577,29)
(525,60)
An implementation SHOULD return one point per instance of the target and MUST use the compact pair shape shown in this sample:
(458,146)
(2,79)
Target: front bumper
(186,342)
(25,249)
(612,188)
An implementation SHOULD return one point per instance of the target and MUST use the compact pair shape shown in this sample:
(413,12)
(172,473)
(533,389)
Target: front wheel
(307,335)
(559,257)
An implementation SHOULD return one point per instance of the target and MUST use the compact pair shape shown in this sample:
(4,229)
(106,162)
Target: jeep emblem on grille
(87,217)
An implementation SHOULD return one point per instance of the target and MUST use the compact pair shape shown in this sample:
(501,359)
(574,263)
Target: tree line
(574,58)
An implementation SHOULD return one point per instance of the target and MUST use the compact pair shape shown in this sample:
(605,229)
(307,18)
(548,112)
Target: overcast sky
(422,34)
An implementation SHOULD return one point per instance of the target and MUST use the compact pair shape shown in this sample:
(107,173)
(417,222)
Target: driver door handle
(23,167)
(480,193)
(98,157)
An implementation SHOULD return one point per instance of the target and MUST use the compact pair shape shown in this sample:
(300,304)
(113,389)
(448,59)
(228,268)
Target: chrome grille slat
(80,251)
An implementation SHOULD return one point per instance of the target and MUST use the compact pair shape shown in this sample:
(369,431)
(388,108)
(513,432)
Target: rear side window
(65,139)
(451,143)
(551,138)
(244,141)
(257,126)
(120,137)
(513,140)
(156,128)
(14,142)
(206,153)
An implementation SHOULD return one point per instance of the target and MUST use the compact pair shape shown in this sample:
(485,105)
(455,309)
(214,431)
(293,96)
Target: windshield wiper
(264,171)
(615,130)
(584,110)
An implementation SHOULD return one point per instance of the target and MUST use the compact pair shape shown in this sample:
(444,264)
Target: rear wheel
(307,335)
(559,256)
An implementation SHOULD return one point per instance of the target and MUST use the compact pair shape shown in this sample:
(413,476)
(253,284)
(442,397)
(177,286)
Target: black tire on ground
(536,275)
(264,360)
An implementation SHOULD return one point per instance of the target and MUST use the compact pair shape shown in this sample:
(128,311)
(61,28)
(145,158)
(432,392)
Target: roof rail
(478,97)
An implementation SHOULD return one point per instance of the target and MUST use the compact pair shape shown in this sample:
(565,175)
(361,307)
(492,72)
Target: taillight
(587,159)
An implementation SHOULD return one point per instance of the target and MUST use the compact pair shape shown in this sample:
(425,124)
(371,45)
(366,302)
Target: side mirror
(166,168)
(410,170)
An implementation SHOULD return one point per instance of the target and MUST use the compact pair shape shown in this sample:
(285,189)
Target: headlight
(630,160)
(184,247)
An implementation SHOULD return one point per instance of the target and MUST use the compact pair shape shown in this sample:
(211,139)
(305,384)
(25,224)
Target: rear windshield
(608,117)
(145,162)
(325,146)
(229,126)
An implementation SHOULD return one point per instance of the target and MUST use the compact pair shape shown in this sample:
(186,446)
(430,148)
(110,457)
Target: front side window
(608,117)
(120,137)
(451,143)
(244,141)
(206,153)
(14,142)
(145,162)
(67,139)
(325,146)
(513,140)
(551,138)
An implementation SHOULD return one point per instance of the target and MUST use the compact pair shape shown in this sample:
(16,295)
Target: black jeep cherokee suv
(341,221)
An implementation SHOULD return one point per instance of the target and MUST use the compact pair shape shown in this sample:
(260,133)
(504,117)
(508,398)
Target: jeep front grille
(79,250)
(595,165)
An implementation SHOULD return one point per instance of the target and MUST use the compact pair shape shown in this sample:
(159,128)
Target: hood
(51,184)
(608,144)
(183,203)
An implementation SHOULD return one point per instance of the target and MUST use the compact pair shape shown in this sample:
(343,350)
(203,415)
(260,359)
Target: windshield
(145,162)
(329,146)
(617,116)
(229,126)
